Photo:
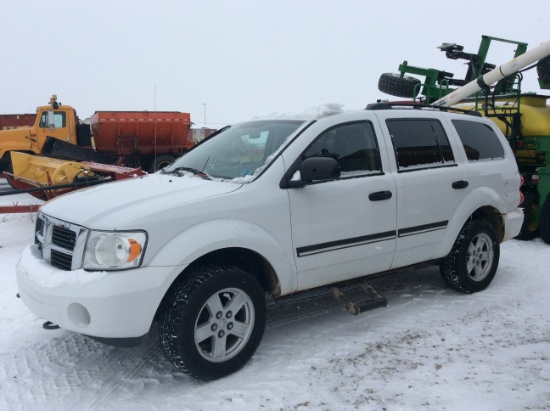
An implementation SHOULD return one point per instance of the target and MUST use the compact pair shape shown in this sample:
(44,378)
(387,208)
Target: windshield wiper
(190,170)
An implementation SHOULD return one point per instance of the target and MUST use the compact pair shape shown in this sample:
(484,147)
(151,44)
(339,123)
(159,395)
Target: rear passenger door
(430,186)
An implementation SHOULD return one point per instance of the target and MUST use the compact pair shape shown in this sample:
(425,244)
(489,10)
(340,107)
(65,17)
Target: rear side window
(479,140)
(419,143)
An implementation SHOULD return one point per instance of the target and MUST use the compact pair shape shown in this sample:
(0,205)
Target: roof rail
(411,104)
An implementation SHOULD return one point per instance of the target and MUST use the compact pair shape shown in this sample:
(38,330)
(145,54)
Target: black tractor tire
(543,69)
(544,221)
(395,85)
(530,226)
(159,162)
(472,263)
(212,322)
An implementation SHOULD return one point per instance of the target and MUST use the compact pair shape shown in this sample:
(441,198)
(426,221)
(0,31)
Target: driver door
(61,126)
(344,228)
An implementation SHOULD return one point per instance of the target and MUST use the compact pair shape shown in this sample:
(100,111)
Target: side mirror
(316,169)
(319,169)
(51,120)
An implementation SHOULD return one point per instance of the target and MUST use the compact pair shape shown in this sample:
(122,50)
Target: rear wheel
(472,263)
(161,161)
(212,323)
(544,221)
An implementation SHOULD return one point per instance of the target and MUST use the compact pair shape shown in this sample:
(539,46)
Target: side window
(59,118)
(419,143)
(354,145)
(479,140)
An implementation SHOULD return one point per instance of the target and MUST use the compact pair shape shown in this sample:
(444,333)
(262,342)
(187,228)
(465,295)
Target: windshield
(242,151)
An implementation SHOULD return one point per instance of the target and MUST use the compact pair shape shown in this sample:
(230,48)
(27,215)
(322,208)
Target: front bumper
(116,304)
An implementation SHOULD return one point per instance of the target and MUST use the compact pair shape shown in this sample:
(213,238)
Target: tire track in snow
(71,367)
(83,373)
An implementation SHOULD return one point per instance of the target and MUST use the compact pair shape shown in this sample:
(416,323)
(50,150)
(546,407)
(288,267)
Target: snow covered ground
(431,348)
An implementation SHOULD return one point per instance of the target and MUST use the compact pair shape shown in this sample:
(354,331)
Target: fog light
(78,315)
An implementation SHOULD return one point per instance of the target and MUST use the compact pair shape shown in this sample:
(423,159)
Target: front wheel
(212,323)
(472,263)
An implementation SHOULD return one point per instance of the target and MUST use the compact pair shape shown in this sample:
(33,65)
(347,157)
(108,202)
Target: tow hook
(48,325)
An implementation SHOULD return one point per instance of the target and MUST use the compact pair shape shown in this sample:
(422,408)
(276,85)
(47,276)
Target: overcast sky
(229,61)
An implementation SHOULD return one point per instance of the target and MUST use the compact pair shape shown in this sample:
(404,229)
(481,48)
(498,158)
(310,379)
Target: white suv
(272,207)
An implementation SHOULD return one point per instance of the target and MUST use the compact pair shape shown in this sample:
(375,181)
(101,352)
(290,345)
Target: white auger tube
(495,75)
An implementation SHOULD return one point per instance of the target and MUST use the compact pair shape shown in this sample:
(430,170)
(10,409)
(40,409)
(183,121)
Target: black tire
(530,226)
(472,263)
(159,162)
(544,221)
(395,85)
(199,314)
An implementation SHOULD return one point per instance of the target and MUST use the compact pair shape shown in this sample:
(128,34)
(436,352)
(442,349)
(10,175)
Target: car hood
(124,204)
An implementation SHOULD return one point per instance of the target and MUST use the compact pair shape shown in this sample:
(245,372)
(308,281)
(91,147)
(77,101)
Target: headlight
(114,250)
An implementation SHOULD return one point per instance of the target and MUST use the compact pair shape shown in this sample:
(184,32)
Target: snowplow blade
(46,178)
(45,171)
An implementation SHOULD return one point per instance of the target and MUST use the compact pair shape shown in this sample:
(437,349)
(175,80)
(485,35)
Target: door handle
(460,184)
(380,195)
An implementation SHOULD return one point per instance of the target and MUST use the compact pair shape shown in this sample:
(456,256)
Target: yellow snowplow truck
(50,121)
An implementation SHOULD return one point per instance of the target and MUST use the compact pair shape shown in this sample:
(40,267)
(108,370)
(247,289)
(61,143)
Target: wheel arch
(231,243)
(482,203)
(487,213)
(242,258)
(493,217)
(212,237)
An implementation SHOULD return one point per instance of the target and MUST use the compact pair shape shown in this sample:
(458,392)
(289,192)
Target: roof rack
(418,106)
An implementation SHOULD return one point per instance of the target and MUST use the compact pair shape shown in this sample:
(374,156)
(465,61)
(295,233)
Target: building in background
(10,121)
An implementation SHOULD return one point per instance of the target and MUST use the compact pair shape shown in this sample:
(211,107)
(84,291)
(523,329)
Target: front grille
(38,231)
(39,226)
(63,237)
(60,242)
(61,260)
